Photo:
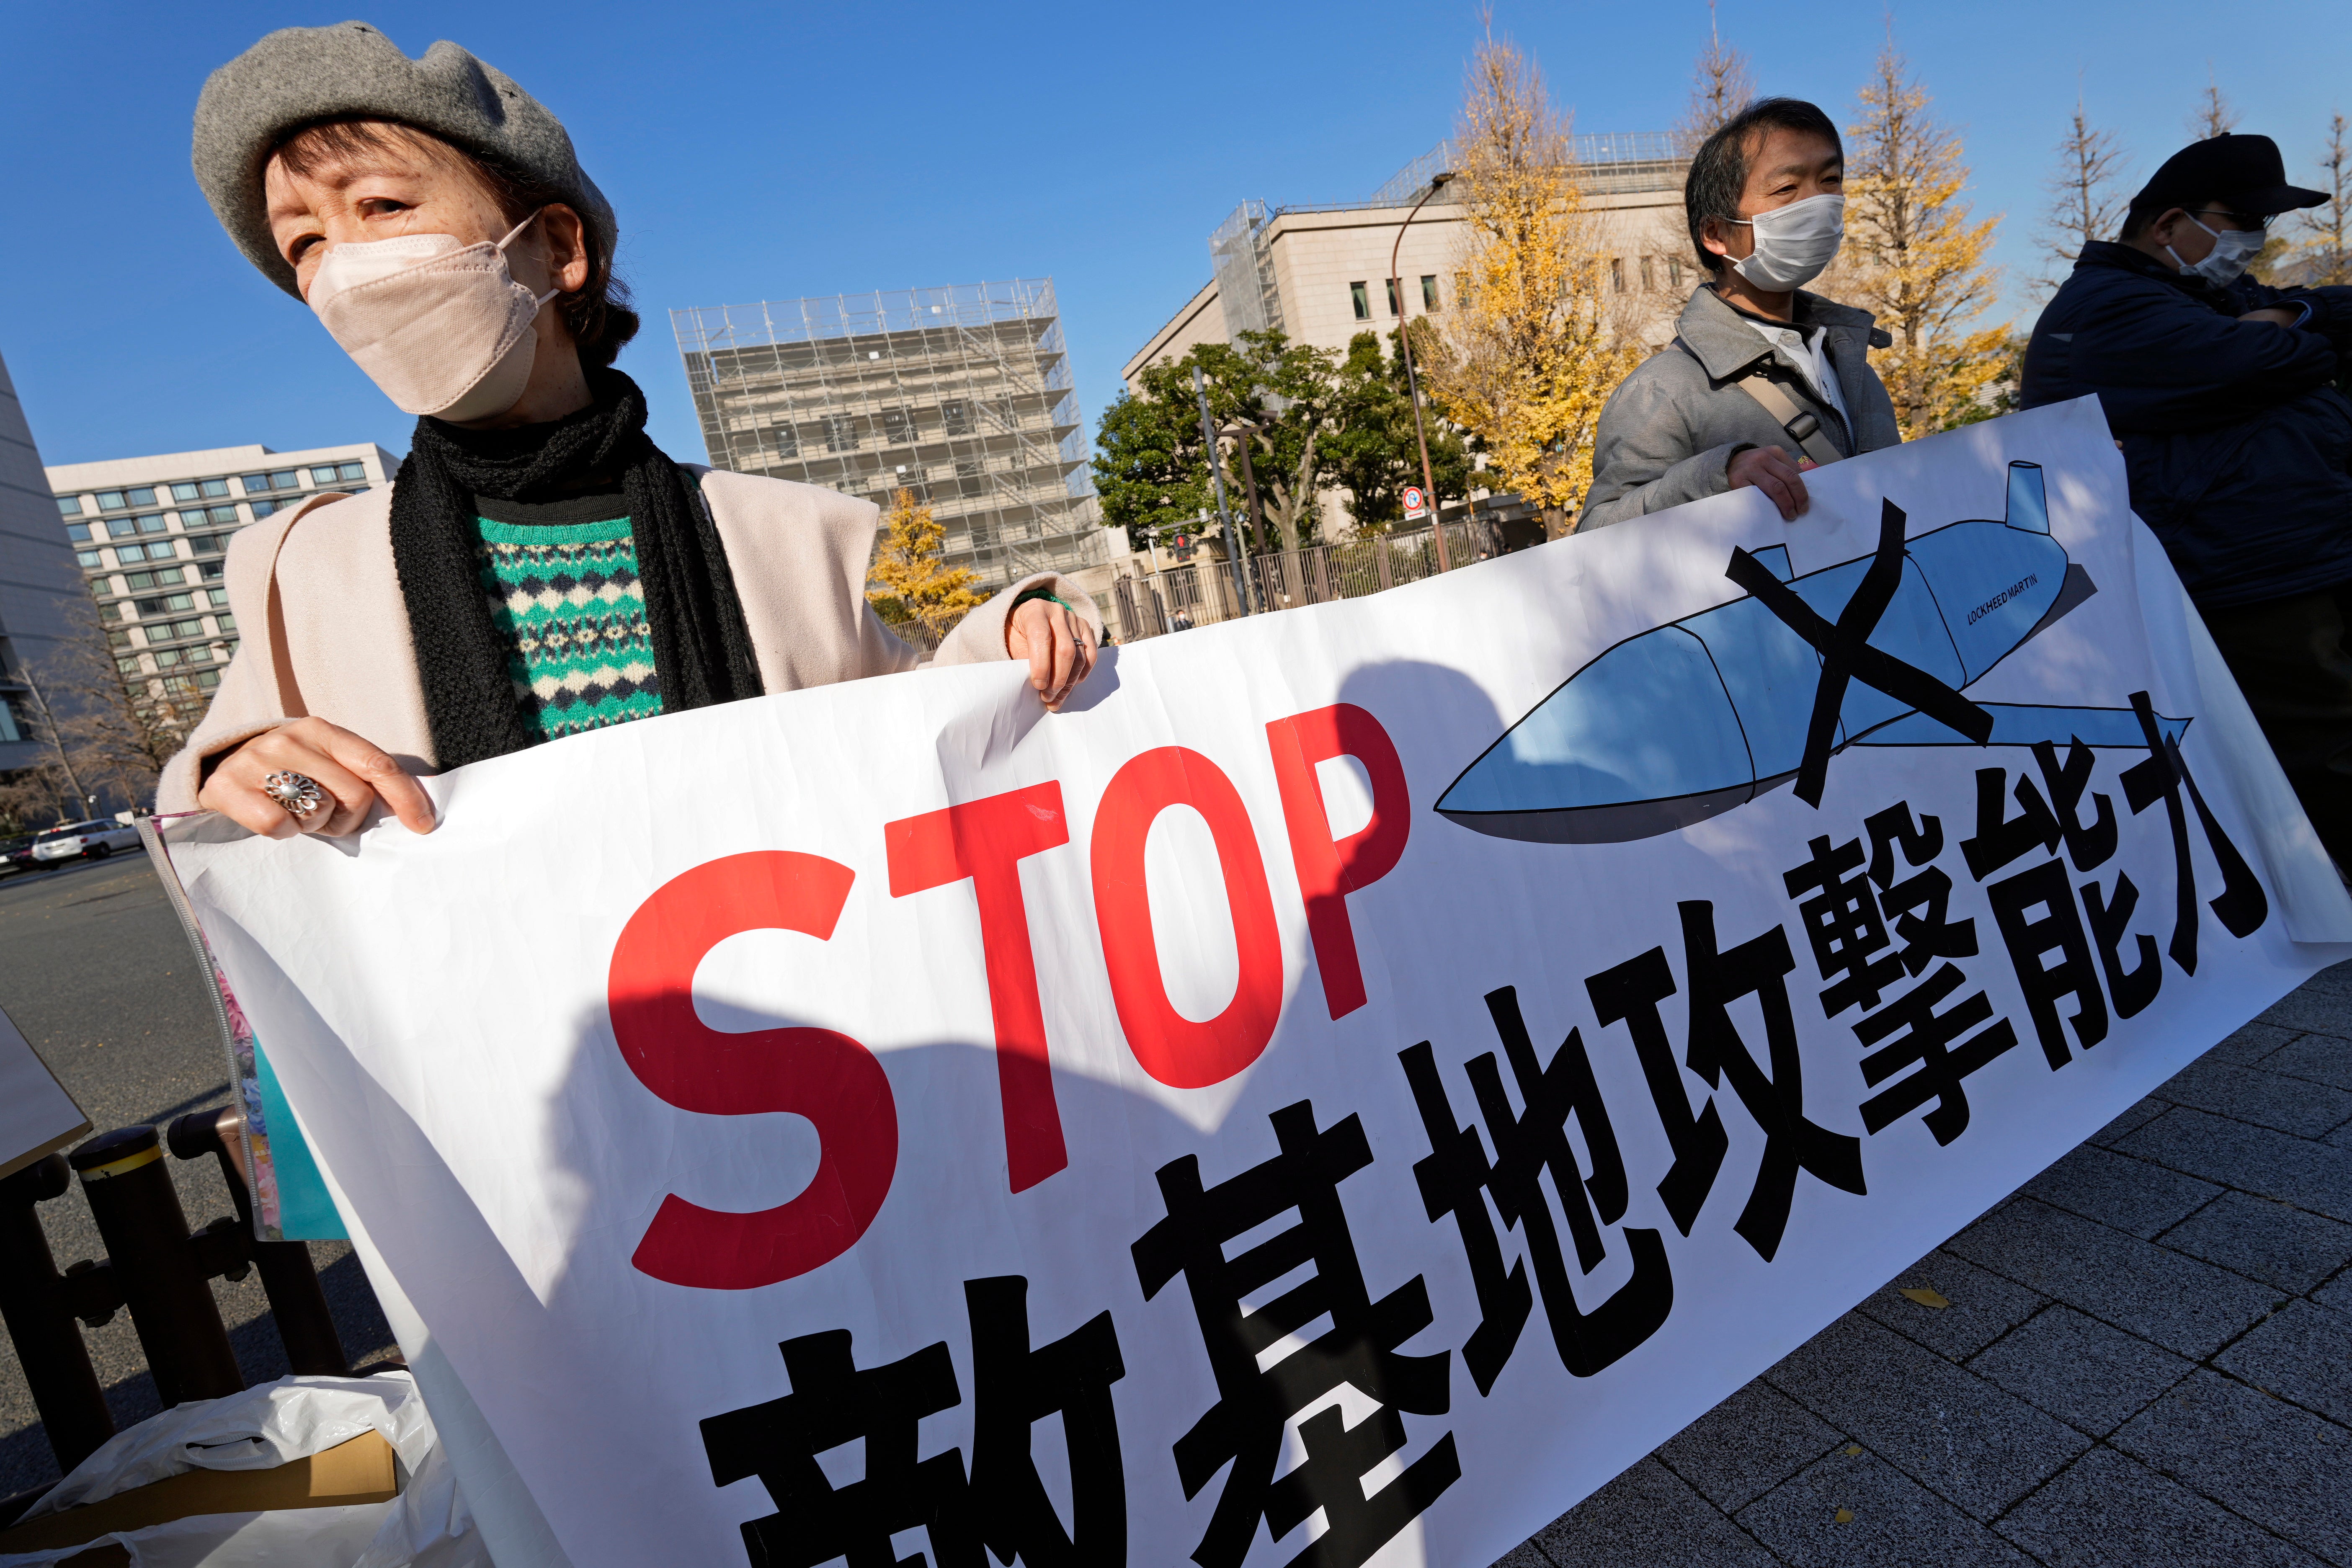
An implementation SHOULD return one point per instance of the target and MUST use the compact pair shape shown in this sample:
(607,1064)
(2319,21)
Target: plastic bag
(427,1526)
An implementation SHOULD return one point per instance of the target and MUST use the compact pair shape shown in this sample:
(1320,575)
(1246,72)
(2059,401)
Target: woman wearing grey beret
(539,568)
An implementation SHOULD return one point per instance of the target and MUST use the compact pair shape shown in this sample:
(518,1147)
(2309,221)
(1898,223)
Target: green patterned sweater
(567,599)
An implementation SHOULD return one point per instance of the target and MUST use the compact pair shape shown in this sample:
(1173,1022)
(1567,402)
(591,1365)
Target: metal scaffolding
(961,395)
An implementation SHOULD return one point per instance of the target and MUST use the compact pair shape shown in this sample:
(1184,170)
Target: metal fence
(1208,592)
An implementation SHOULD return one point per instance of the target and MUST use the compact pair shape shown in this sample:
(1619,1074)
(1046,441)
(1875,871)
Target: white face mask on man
(1793,244)
(442,327)
(2232,249)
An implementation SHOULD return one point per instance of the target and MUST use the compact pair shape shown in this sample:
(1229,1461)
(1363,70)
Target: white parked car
(95,839)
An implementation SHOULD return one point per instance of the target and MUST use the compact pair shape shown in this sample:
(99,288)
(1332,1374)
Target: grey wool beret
(299,75)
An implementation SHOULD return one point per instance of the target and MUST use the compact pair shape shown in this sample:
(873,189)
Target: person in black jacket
(2222,393)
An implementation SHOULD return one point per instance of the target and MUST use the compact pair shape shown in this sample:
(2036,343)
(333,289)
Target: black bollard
(40,1306)
(148,1248)
(296,1301)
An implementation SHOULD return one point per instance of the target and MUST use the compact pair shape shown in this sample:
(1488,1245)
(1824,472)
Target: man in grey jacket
(1763,380)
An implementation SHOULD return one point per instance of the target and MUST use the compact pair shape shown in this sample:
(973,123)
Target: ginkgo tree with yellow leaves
(910,579)
(1533,347)
(1914,256)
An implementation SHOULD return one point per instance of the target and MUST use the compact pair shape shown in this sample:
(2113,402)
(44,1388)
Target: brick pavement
(2147,1359)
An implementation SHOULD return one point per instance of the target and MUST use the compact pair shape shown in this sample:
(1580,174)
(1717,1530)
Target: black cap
(2244,173)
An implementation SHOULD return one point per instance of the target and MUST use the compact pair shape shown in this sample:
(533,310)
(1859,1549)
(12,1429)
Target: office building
(961,395)
(39,582)
(1320,271)
(149,535)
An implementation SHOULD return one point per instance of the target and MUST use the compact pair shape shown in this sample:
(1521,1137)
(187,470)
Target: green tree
(1371,453)
(1151,472)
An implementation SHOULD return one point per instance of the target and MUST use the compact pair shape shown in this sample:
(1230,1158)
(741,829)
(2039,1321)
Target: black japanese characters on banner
(1244,1427)
(1004,1506)
(2061,954)
(1845,916)
(1896,968)
(1774,1100)
(1529,1145)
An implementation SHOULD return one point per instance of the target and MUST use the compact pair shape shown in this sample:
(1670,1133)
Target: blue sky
(767,152)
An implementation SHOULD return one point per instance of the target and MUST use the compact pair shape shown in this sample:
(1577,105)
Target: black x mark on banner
(1846,654)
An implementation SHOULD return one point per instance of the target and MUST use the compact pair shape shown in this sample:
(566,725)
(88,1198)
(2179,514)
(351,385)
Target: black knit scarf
(702,649)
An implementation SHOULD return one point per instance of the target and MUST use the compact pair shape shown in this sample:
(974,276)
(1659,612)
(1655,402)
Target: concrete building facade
(148,536)
(38,582)
(963,395)
(1318,272)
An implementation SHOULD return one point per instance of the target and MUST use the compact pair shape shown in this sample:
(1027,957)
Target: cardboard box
(360,1471)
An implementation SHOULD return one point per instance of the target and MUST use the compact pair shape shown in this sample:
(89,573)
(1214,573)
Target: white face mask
(1794,243)
(441,327)
(2232,249)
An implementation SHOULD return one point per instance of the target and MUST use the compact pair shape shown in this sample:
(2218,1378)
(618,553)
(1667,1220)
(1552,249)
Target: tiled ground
(2146,1360)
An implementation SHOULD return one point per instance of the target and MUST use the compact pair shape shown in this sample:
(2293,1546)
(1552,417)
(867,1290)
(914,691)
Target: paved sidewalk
(2146,1360)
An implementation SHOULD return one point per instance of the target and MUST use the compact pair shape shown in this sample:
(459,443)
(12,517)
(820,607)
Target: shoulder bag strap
(1801,423)
(290,702)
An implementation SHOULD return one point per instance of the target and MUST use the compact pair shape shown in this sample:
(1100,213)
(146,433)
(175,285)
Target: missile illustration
(1695,718)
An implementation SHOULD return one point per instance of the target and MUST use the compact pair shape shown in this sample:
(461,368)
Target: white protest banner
(1338,1095)
(38,1117)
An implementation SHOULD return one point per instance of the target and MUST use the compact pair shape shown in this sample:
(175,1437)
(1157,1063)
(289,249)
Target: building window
(171,574)
(167,604)
(957,418)
(352,470)
(1392,295)
(203,543)
(219,597)
(128,555)
(186,628)
(841,433)
(898,426)
(70,506)
(212,569)
(1648,280)
(122,527)
(113,500)
(227,623)
(1674,272)
(1617,275)
(224,514)
(1429,293)
(151,523)
(1362,300)
(118,640)
(127,665)
(782,439)
(79,532)
(89,558)
(209,678)
(262,509)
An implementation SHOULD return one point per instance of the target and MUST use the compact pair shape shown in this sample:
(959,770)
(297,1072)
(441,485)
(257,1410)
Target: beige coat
(324,631)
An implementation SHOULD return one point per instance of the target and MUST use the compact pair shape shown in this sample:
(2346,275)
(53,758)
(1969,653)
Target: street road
(95,971)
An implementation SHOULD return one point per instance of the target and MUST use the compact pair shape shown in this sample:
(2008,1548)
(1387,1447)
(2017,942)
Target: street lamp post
(1411,381)
(1217,477)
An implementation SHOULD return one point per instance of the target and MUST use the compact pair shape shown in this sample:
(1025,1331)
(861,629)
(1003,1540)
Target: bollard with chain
(40,1306)
(155,1263)
(296,1301)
